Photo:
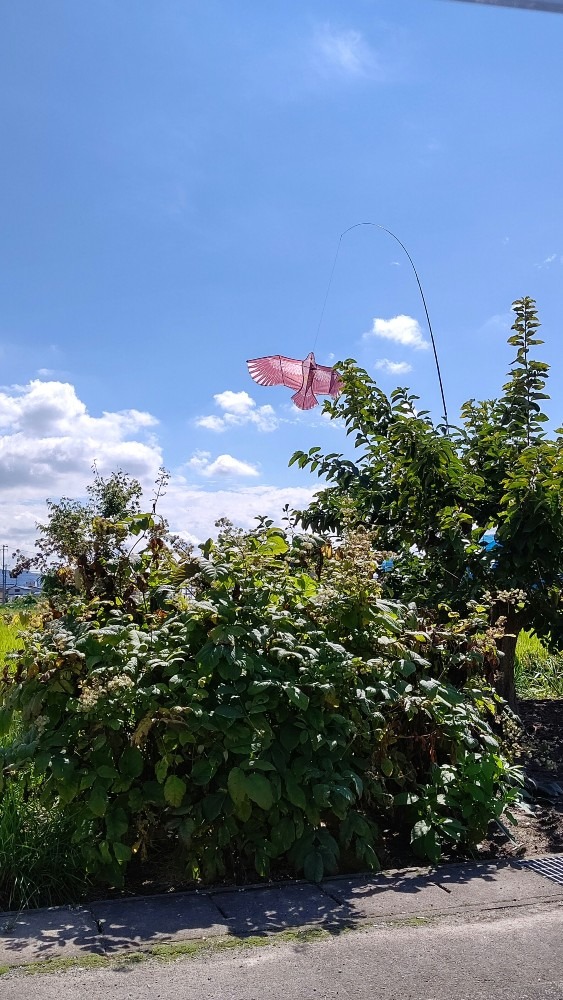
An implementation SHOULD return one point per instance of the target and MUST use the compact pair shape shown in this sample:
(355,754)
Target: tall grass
(39,865)
(538,673)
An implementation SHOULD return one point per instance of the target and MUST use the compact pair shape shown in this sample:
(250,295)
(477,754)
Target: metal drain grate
(548,867)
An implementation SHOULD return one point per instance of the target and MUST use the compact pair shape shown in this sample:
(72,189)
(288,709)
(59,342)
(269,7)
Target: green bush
(261,707)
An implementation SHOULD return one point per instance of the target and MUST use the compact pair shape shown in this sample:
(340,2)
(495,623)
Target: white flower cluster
(119,683)
(91,694)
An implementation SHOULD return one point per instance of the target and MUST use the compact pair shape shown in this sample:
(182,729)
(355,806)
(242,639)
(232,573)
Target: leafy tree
(85,546)
(467,513)
(73,527)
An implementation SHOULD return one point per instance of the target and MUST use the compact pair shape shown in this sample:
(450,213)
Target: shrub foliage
(257,707)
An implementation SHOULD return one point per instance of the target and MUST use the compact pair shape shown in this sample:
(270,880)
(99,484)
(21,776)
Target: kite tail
(305,398)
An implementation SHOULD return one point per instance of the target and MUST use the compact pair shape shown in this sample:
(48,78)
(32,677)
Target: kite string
(327,292)
(376,225)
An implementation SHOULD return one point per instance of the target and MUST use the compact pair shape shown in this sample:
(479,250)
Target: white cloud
(49,441)
(550,260)
(224,466)
(393,367)
(46,432)
(212,423)
(499,323)
(238,409)
(237,403)
(344,51)
(193,511)
(401,329)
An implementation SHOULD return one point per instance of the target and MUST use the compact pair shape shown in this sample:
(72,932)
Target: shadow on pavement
(58,932)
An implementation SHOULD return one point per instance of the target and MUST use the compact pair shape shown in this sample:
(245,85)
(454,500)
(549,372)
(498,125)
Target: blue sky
(174,180)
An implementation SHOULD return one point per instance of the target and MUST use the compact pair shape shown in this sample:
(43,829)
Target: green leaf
(420,830)
(283,834)
(275,545)
(161,770)
(135,800)
(313,866)
(5,721)
(202,772)
(106,771)
(174,790)
(98,800)
(236,783)
(259,789)
(244,810)
(261,765)
(213,805)
(230,711)
(186,829)
(387,767)
(132,763)
(116,823)
(406,799)
(321,794)
(295,793)
(289,737)
(122,852)
(407,667)
(296,697)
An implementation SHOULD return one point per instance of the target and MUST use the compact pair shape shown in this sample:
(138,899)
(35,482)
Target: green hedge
(257,707)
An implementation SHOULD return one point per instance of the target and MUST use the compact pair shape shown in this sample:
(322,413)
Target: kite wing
(277,370)
(326,381)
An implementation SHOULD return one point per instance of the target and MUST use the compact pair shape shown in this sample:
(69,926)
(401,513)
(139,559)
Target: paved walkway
(117,926)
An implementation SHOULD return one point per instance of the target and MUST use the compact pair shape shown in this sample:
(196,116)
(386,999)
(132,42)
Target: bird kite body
(307,377)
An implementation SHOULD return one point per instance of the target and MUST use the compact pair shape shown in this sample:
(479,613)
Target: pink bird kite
(307,377)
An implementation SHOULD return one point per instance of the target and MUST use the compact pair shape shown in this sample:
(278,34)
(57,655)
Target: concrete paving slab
(56,932)
(452,887)
(125,923)
(375,896)
(275,908)
(495,884)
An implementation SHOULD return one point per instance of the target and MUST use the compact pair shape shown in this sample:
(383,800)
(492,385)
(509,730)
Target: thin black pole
(376,225)
(549,6)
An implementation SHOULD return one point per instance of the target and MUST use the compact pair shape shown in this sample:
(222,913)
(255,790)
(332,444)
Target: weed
(170,952)
(39,866)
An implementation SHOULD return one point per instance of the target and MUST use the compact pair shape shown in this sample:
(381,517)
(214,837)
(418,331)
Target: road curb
(109,928)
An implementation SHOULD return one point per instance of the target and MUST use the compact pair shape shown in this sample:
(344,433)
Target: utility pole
(4,547)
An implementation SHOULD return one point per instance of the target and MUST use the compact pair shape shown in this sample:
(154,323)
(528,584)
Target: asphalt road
(510,956)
